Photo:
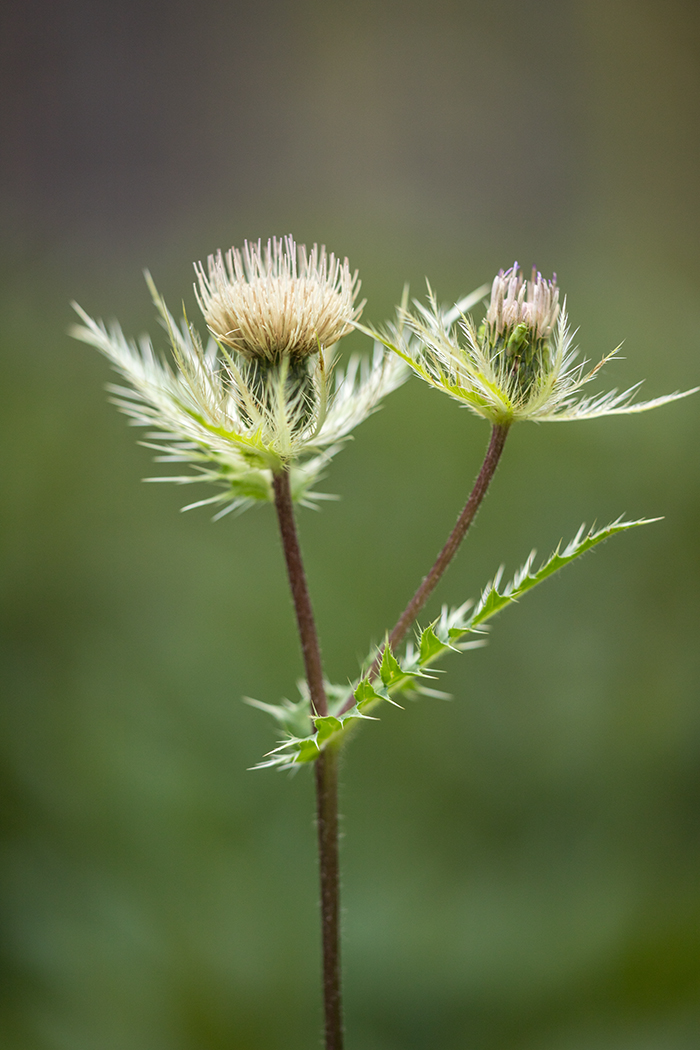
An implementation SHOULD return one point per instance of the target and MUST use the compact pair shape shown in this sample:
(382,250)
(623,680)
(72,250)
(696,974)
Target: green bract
(519,363)
(214,409)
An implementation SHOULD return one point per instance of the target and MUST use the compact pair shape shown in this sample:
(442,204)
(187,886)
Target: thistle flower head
(522,310)
(518,363)
(237,415)
(519,324)
(277,301)
(516,303)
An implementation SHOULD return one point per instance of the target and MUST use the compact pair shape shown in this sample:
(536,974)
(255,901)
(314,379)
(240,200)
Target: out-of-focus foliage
(521,862)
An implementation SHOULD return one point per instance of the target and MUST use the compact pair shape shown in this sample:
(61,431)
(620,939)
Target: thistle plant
(261,407)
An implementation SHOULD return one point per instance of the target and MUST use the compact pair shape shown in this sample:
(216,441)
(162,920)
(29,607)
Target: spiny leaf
(453,624)
(294,718)
(443,634)
(494,599)
(430,646)
(367,693)
(326,726)
(390,670)
(295,751)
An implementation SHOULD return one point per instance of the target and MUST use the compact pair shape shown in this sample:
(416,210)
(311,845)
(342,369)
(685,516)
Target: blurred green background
(521,864)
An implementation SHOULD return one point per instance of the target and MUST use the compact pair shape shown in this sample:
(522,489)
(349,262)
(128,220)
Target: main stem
(429,583)
(326,767)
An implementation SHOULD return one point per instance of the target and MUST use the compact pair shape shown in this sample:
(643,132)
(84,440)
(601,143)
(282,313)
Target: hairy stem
(429,582)
(327,821)
(488,469)
(326,768)
(311,651)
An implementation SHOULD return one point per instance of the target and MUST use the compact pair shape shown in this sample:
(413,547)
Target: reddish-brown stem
(310,648)
(326,768)
(327,821)
(327,762)
(429,583)
(488,469)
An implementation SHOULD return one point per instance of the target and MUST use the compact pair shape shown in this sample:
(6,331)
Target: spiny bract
(519,363)
(237,418)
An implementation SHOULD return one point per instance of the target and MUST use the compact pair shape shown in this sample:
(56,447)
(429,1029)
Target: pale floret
(519,363)
(206,412)
(515,301)
(279,300)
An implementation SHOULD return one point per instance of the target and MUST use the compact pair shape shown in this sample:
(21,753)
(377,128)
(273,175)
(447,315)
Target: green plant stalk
(326,768)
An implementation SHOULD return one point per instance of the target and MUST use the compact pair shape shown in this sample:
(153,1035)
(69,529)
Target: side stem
(488,469)
(326,768)
(429,583)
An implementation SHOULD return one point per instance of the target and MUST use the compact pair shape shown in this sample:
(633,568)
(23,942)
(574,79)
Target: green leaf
(453,624)
(390,670)
(365,693)
(308,750)
(326,726)
(291,752)
(295,750)
(494,599)
(430,646)
(295,718)
(395,675)
(355,713)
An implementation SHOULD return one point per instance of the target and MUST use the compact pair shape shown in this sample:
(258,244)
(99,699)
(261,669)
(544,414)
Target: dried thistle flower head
(278,301)
(519,363)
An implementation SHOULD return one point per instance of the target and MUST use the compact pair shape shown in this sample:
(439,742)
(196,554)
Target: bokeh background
(520,864)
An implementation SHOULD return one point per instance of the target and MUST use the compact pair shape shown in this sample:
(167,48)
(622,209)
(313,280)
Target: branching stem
(488,469)
(429,583)
(327,762)
(326,768)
